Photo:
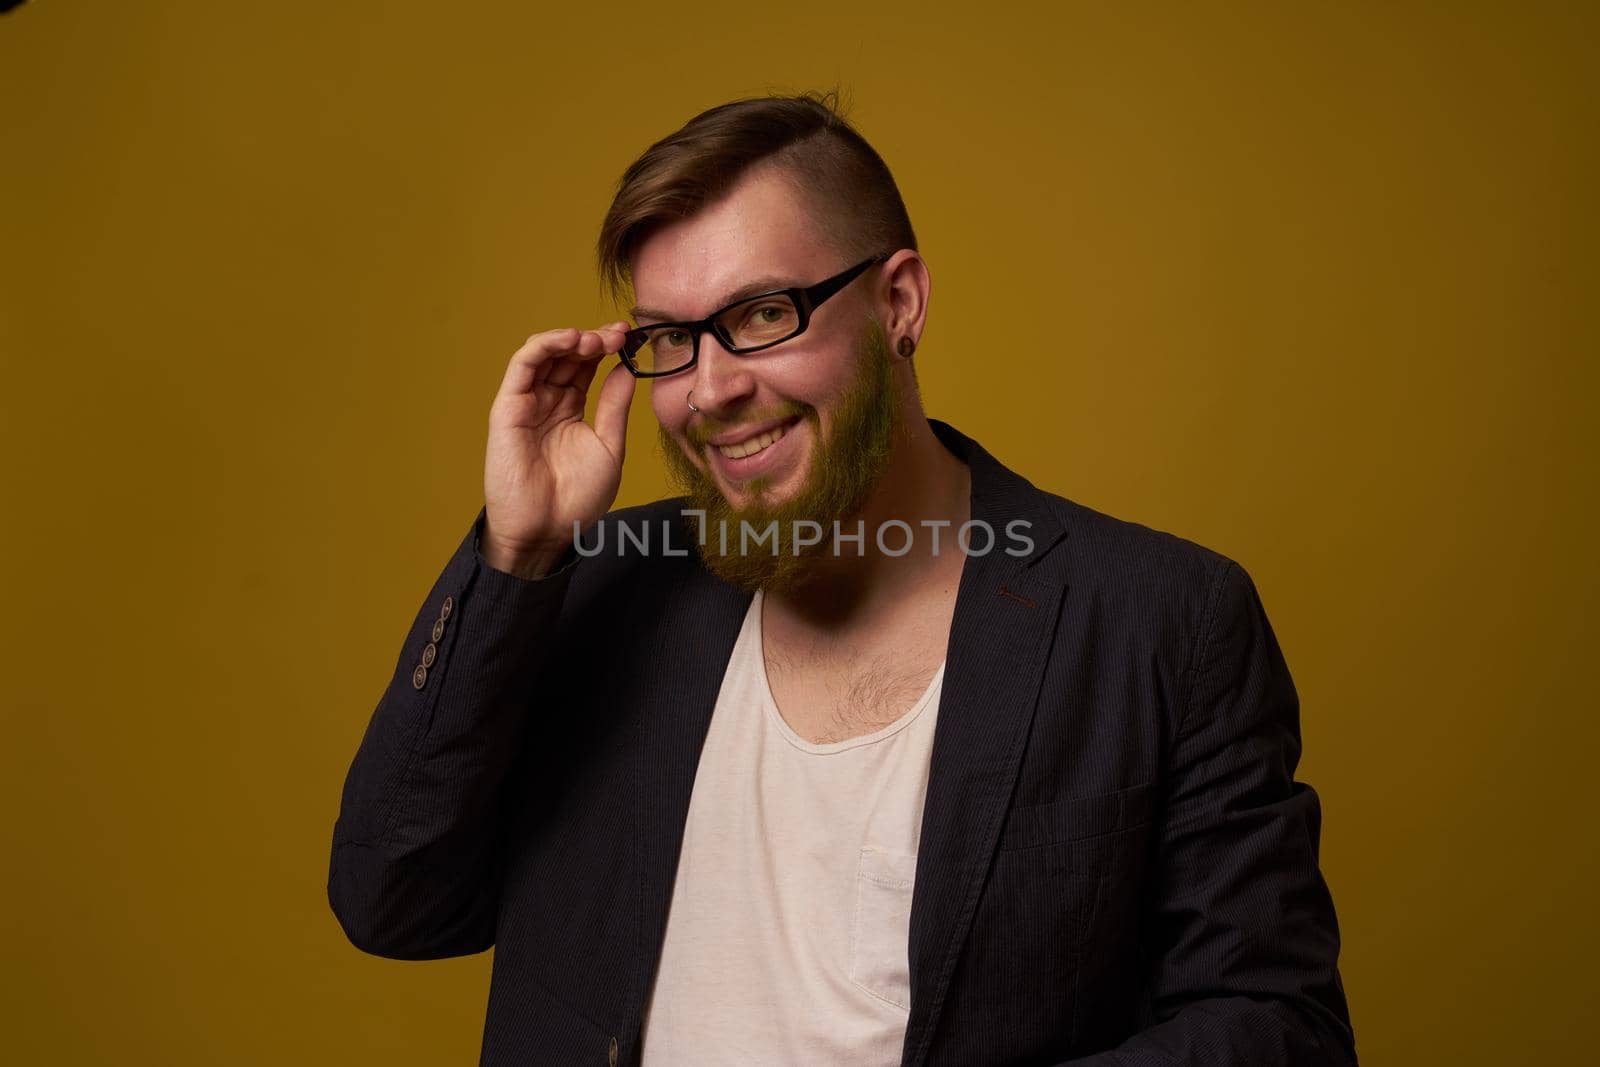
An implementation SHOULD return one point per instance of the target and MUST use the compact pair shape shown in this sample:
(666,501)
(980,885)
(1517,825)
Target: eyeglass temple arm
(822,290)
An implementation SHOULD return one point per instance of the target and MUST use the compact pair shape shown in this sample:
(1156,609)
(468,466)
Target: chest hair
(847,693)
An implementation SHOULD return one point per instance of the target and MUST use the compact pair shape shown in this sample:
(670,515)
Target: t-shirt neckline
(832,747)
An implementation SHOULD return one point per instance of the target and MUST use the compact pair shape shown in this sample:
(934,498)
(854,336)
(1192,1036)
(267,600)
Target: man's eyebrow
(751,288)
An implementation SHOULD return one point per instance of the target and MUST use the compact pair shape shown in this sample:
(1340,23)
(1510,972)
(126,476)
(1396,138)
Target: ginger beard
(844,469)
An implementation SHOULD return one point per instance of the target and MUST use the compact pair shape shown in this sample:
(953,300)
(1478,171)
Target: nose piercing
(691,403)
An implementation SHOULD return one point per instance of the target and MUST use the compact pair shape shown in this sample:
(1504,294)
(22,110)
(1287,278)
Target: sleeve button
(419,677)
(446,608)
(611,1054)
(438,630)
(429,654)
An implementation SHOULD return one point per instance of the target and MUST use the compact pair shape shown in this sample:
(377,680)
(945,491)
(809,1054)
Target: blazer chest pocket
(1064,875)
(1077,818)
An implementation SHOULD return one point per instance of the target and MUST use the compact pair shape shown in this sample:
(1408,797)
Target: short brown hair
(852,195)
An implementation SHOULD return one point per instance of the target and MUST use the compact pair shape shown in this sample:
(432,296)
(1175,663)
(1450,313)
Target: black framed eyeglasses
(745,326)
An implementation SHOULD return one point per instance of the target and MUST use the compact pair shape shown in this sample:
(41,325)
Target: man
(863,750)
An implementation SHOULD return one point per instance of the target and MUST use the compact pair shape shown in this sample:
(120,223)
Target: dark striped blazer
(1116,864)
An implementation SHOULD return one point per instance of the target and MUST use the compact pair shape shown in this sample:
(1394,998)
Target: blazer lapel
(1005,618)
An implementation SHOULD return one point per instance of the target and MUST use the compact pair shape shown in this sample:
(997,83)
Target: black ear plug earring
(906,347)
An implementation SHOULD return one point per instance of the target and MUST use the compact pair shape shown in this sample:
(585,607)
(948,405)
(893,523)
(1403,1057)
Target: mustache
(700,432)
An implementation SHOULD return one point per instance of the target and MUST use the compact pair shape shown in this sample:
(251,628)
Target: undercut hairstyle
(846,186)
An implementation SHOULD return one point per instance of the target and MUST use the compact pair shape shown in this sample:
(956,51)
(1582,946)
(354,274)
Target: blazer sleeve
(1243,941)
(413,871)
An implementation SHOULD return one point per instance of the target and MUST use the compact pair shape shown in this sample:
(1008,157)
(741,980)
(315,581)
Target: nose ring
(691,403)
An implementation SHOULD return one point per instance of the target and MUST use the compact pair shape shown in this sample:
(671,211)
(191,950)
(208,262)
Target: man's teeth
(753,445)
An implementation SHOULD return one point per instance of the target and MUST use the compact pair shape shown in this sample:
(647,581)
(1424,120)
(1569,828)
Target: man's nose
(720,379)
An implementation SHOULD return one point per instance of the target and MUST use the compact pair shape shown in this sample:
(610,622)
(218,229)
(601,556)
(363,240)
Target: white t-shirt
(786,934)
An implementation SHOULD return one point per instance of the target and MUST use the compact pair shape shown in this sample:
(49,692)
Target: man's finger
(583,376)
(611,410)
(564,371)
(533,361)
(523,368)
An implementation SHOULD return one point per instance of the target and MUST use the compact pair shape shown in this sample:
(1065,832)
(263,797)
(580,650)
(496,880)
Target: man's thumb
(611,410)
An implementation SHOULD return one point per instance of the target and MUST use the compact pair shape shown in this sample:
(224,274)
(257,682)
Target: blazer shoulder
(1147,577)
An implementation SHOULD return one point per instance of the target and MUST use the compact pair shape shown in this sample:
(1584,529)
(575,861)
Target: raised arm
(415,865)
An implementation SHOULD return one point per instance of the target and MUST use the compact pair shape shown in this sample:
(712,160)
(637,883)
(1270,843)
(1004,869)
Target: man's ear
(909,287)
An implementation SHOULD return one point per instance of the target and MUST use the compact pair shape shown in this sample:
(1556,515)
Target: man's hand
(545,468)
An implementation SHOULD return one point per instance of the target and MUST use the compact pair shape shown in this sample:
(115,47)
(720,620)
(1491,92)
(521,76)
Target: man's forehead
(687,297)
(755,239)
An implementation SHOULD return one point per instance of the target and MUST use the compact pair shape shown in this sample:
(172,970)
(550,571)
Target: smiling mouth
(759,443)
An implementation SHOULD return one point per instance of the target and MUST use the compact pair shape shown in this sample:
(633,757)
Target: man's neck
(924,486)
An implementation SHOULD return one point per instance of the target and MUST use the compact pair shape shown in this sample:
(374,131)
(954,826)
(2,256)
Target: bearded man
(863,749)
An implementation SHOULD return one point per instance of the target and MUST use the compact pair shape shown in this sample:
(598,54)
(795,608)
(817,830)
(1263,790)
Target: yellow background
(1311,284)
